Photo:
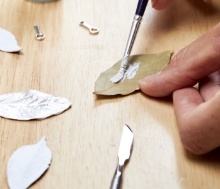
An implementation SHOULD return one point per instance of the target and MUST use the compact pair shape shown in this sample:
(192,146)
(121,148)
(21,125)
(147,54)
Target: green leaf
(149,64)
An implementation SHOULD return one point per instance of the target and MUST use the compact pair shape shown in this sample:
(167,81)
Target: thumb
(192,63)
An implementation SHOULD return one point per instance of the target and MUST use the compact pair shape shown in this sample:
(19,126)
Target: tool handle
(141,7)
(116,182)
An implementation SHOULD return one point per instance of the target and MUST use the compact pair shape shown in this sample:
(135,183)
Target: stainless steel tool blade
(124,153)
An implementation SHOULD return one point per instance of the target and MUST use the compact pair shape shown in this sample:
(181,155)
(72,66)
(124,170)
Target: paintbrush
(133,32)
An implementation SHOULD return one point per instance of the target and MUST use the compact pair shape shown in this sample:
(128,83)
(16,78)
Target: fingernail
(153,2)
(142,82)
(148,79)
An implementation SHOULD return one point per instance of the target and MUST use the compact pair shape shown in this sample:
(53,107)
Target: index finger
(197,60)
(160,4)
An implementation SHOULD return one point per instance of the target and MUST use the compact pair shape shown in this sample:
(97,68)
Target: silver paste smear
(131,71)
(123,74)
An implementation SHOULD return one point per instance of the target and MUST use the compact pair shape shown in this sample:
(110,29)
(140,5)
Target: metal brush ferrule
(133,32)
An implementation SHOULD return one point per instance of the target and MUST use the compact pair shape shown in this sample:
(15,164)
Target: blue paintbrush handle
(141,7)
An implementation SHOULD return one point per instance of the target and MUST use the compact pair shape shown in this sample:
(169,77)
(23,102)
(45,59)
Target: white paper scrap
(8,42)
(27,164)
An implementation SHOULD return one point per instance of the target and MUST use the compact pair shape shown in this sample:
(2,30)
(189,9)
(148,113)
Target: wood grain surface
(84,139)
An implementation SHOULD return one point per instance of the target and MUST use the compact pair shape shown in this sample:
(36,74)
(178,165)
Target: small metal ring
(94,30)
(39,36)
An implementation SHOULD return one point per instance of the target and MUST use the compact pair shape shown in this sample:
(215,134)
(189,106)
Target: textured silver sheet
(31,105)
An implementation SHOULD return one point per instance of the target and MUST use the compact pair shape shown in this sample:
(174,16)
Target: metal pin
(39,36)
(92,30)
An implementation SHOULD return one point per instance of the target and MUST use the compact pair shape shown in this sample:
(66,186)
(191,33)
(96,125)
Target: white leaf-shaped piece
(27,164)
(8,42)
(31,105)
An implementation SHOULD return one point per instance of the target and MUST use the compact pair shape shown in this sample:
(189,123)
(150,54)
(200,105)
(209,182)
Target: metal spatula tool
(123,155)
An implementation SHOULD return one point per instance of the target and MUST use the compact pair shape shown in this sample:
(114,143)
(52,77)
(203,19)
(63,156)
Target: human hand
(162,4)
(197,110)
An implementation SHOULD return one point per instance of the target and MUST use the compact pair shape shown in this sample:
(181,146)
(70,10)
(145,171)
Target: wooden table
(84,139)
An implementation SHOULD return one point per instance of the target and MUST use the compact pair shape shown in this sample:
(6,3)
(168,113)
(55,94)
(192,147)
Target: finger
(192,63)
(210,85)
(198,121)
(160,4)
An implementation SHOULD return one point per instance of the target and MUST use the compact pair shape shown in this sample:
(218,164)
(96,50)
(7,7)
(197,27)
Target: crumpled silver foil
(31,105)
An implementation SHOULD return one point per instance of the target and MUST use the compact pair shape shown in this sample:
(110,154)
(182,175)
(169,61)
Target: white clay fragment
(31,105)
(27,164)
(8,42)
